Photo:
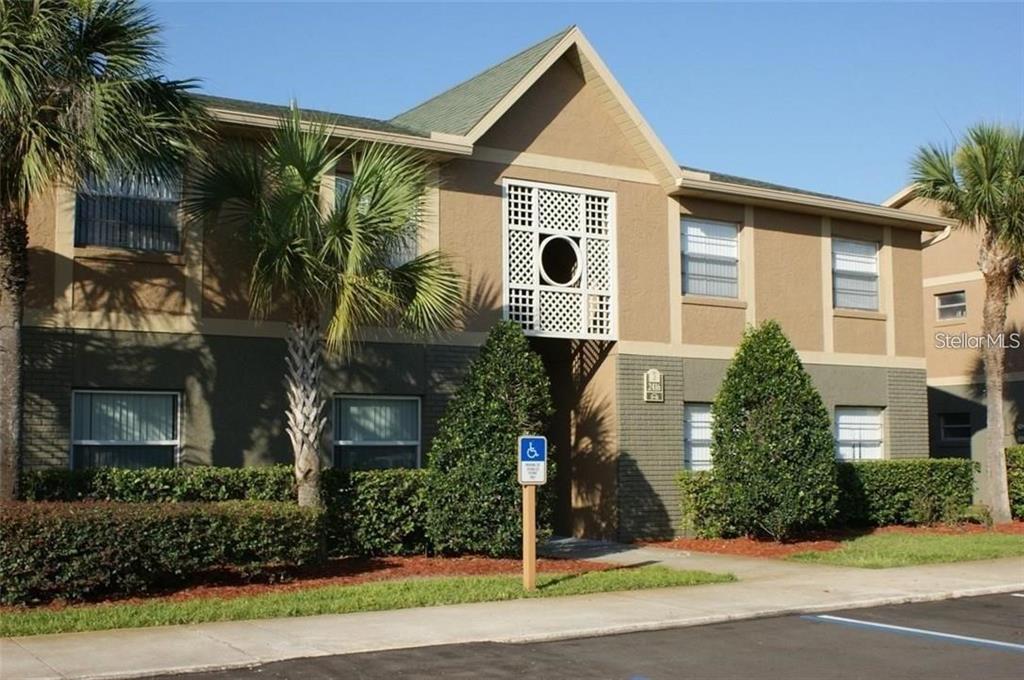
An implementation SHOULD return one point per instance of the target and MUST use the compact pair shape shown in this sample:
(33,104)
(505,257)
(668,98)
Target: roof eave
(690,186)
(436,142)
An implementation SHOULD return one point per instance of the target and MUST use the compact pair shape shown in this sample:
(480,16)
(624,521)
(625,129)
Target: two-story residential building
(954,294)
(634,277)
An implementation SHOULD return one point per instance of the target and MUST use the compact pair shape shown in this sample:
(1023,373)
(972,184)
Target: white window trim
(939,306)
(881,433)
(878,274)
(687,440)
(398,442)
(613,273)
(682,256)
(176,443)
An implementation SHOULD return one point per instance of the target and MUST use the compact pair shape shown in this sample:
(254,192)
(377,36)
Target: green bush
(161,485)
(1015,480)
(702,514)
(76,551)
(772,446)
(918,491)
(474,498)
(372,512)
(871,493)
(379,512)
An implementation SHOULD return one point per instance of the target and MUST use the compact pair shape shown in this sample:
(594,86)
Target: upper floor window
(854,274)
(124,212)
(858,432)
(710,258)
(124,429)
(951,305)
(697,424)
(376,432)
(954,427)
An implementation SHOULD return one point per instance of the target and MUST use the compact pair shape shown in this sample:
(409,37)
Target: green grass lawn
(376,596)
(877,551)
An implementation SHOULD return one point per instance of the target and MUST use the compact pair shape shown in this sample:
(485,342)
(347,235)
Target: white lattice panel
(560,311)
(559,211)
(520,257)
(582,306)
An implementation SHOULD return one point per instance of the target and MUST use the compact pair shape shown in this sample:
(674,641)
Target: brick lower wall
(46,418)
(907,413)
(650,448)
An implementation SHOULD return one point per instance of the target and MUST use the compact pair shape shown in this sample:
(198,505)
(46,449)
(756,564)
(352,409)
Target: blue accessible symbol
(533,458)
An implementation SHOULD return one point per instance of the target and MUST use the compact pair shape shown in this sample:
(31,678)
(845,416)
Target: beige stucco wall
(563,116)
(859,335)
(118,284)
(42,217)
(711,324)
(470,210)
(787,249)
(906,268)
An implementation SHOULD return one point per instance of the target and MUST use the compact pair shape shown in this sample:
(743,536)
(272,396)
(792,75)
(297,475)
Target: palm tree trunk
(306,418)
(13,277)
(992,483)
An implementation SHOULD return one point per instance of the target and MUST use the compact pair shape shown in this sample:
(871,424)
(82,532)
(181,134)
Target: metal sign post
(533,471)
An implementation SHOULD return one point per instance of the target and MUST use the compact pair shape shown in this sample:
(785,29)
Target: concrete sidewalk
(766,587)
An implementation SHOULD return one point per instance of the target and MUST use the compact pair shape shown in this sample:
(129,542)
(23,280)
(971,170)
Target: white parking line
(918,631)
(1016,594)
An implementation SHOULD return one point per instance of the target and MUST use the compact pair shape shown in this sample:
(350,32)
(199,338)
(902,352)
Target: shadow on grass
(565,578)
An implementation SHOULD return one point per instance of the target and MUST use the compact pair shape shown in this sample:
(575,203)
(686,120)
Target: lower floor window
(858,432)
(372,432)
(124,429)
(697,436)
(955,427)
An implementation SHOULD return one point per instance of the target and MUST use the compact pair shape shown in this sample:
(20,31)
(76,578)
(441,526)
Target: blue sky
(828,97)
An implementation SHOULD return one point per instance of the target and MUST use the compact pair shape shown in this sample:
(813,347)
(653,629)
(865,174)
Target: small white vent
(559,260)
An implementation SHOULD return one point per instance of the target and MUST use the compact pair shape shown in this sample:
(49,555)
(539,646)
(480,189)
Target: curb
(602,631)
(690,622)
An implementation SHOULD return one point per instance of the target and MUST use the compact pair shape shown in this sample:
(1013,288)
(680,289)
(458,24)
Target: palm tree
(79,95)
(332,265)
(980,183)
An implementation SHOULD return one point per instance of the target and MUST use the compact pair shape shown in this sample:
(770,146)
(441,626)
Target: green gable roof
(458,110)
(746,181)
(359,122)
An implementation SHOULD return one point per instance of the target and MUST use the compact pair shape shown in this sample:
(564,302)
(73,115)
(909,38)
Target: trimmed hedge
(77,551)
(871,493)
(378,512)
(1015,480)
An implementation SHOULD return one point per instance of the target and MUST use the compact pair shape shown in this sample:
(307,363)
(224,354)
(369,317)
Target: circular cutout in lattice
(560,261)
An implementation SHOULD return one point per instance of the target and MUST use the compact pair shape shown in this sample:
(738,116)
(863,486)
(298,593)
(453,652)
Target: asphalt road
(979,638)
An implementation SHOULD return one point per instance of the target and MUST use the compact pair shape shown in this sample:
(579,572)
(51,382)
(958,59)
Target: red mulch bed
(345,571)
(752,547)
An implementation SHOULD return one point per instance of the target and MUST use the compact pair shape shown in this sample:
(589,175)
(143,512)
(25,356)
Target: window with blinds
(124,212)
(858,432)
(372,432)
(710,258)
(697,424)
(124,429)
(854,274)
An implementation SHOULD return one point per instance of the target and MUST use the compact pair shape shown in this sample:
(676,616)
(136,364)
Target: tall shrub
(475,499)
(772,447)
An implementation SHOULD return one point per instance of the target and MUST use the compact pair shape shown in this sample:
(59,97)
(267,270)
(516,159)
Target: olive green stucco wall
(232,394)
(970,398)
(651,434)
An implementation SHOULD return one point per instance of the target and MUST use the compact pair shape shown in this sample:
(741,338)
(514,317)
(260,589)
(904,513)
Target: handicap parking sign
(533,460)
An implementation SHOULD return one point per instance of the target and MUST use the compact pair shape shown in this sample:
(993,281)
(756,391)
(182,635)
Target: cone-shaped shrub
(774,465)
(475,502)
